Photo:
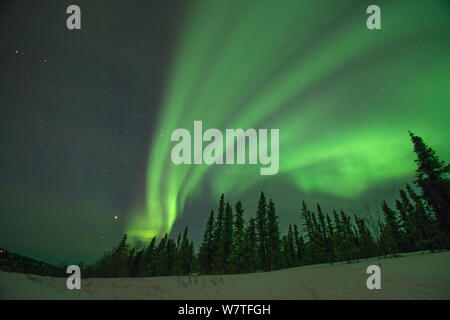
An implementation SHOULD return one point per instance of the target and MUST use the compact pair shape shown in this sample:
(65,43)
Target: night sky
(86,115)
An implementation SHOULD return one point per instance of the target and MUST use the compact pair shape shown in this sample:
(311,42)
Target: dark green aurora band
(342,96)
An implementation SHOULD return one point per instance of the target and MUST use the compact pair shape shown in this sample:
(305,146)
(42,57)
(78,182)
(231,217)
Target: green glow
(342,96)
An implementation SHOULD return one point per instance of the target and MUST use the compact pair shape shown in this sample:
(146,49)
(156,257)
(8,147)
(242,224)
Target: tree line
(13,262)
(167,257)
(420,220)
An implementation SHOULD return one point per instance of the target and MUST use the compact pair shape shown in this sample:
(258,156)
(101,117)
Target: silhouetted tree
(227,237)
(237,258)
(251,250)
(300,245)
(393,227)
(206,252)
(261,225)
(273,239)
(432,176)
(218,250)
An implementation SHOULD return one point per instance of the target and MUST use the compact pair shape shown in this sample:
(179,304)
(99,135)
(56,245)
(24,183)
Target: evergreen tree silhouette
(432,176)
(338,238)
(300,245)
(227,237)
(186,255)
(325,242)
(119,260)
(348,238)
(261,225)
(365,239)
(160,257)
(310,254)
(431,235)
(408,222)
(251,243)
(238,255)
(218,250)
(290,248)
(273,238)
(392,227)
(136,262)
(205,255)
(146,267)
(170,260)
(330,238)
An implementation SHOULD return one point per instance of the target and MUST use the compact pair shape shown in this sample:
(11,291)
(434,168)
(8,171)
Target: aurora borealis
(87,115)
(342,96)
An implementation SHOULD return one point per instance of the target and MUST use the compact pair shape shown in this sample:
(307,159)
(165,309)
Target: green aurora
(342,96)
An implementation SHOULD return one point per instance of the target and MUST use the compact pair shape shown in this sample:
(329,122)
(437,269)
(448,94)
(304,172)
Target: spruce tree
(392,227)
(179,240)
(218,250)
(160,257)
(205,255)
(237,258)
(338,238)
(316,241)
(325,242)
(146,266)
(120,259)
(431,234)
(310,254)
(273,238)
(239,225)
(192,258)
(261,225)
(408,226)
(123,246)
(366,241)
(290,248)
(170,258)
(185,254)
(135,263)
(348,247)
(386,242)
(299,245)
(227,236)
(287,262)
(331,239)
(432,176)
(251,247)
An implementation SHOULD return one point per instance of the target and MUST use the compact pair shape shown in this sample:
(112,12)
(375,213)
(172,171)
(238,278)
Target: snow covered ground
(414,276)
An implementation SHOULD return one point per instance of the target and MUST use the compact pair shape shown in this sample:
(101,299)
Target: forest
(419,221)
